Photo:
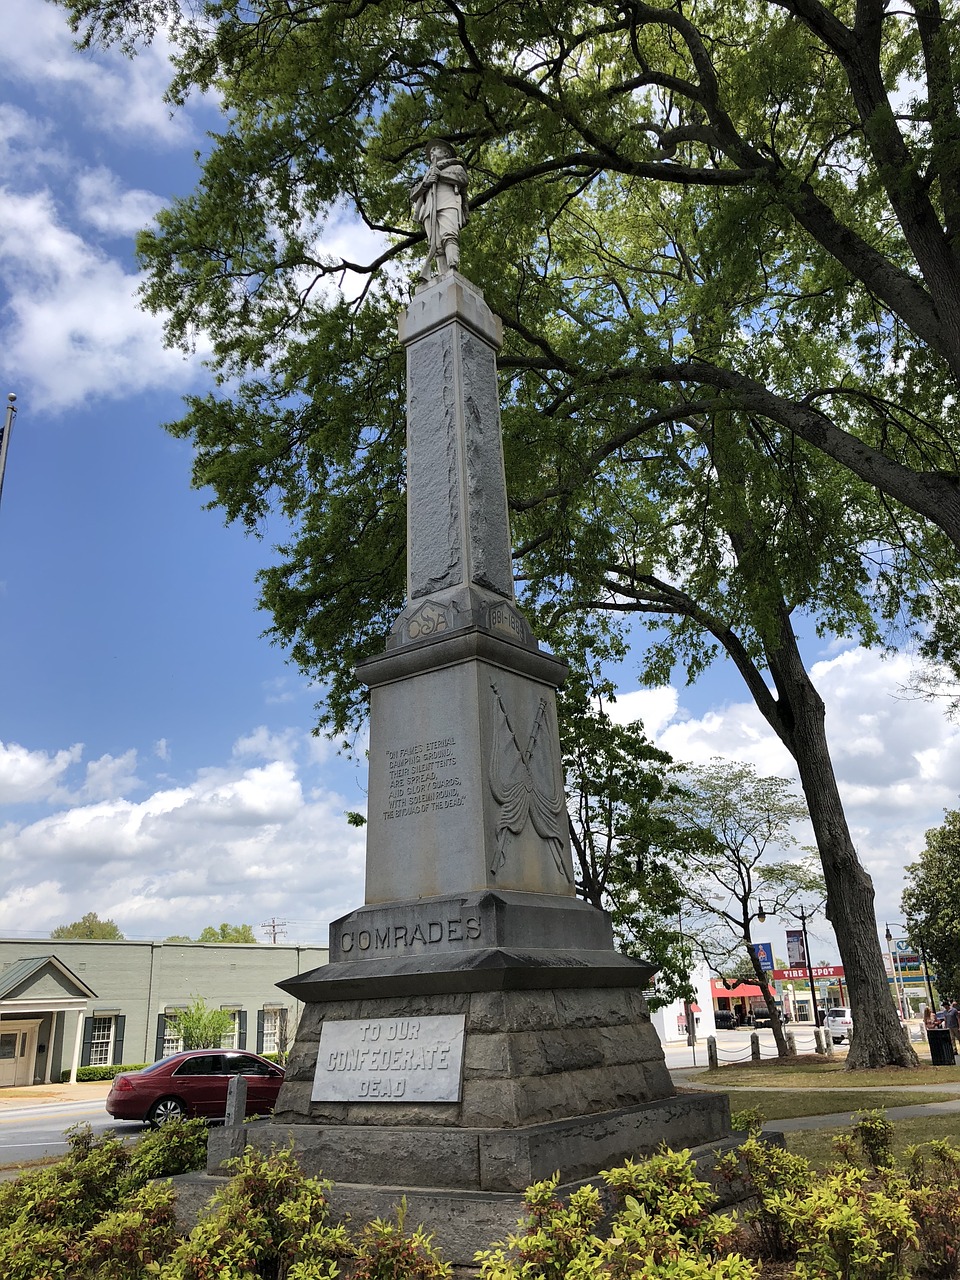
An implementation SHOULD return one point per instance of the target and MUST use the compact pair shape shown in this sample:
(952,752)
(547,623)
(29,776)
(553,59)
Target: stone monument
(475,1030)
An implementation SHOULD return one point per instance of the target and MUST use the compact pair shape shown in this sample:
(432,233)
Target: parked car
(725,1020)
(839,1023)
(193,1083)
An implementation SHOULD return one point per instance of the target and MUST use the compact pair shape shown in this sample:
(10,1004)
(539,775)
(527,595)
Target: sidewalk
(38,1094)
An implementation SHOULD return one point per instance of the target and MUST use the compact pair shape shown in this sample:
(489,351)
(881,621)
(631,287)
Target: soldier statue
(440,204)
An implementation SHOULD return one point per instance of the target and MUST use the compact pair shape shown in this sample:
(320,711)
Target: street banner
(764,953)
(796,951)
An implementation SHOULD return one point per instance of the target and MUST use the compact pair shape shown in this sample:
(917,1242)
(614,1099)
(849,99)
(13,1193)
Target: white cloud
(29,776)
(119,95)
(103,202)
(111,777)
(75,329)
(654,708)
(239,842)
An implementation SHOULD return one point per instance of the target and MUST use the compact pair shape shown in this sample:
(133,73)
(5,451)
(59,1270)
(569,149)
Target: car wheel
(164,1110)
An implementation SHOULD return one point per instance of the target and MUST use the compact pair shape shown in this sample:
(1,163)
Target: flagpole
(5,436)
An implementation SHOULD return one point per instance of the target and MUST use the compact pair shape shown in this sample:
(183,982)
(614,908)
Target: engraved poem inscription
(423,778)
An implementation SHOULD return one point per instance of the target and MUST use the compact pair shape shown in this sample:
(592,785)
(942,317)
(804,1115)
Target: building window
(101,1042)
(271,1030)
(172,1043)
(229,1040)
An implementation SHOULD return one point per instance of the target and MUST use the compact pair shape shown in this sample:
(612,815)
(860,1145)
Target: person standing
(929,1018)
(951,1020)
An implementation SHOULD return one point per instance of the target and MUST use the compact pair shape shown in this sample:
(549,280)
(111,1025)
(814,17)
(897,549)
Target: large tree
(88,926)
(931,902)
(698,219)
(735,877)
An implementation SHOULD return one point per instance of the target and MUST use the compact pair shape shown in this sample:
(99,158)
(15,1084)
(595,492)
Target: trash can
(941,1047)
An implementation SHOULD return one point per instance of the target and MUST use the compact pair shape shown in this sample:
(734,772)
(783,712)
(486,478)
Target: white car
(839,1023)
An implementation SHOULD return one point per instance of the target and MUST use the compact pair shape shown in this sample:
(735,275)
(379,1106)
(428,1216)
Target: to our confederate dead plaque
(390,1060)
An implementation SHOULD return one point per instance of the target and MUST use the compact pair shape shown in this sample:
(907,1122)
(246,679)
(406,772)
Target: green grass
(816,1145)
(805,1073)
(784,1104)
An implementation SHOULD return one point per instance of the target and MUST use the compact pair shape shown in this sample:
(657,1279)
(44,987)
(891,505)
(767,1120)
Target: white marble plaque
(390,1060)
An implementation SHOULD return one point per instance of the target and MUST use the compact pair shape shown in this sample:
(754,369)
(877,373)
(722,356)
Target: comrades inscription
(419,933)
(423,778)
(390,1060)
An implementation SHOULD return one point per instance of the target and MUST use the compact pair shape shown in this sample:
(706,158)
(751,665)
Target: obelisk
(475,1030)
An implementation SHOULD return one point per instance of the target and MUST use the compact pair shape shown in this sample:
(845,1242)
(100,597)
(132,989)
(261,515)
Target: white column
(50,1042)
(78,1041)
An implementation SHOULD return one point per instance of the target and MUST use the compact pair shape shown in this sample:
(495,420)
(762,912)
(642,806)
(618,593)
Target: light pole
(806,955)
(5,435)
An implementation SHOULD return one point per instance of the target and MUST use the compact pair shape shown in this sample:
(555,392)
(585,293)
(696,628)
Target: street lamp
(806,956)
(761,914)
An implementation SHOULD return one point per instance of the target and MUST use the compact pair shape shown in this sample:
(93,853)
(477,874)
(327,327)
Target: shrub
(670,1238)
(385,1252)
(874,1132)
(933,1174)
(849,1232)
(177,1147)
(102,1073)
(269,1221)
(130,1242)
(750,1119)
(769,1175)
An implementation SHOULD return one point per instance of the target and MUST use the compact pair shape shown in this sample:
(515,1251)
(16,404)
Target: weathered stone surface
(487,1055)
(223,1144)
(445,742)
(497,1158)
(430,926)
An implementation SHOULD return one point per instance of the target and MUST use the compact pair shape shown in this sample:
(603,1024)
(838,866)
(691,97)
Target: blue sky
(156,759)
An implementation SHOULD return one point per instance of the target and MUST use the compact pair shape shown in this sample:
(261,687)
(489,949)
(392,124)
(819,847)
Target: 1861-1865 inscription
(390,1060)
(423,778)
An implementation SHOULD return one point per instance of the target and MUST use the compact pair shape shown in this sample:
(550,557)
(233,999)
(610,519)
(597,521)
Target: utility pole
(5,435)
(276,928)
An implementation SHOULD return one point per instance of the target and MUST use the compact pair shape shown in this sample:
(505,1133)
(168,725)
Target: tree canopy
(722,244)
(198,1026)
(227,933)
(931,902)
(88,926)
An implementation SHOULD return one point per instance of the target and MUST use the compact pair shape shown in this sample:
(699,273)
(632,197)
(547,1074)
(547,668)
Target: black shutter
(242,1029)
(87,1042)
(260,1016)
(161,1032)
(118,1025)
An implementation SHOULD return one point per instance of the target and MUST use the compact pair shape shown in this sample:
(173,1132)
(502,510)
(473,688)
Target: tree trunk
(878,1039)
(783,1049)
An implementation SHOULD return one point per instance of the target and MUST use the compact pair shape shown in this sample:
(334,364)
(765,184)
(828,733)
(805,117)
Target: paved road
(29,1133)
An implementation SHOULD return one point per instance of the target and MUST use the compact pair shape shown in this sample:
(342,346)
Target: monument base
(460,1221)
(562,1077)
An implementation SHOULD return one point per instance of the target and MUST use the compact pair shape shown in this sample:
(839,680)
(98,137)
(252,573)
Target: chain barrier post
(712,1060)
(755,1047)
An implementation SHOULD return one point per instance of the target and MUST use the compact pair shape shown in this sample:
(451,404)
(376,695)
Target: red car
(193,1083)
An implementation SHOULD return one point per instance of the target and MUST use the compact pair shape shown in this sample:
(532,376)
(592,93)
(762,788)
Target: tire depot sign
(802,975)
